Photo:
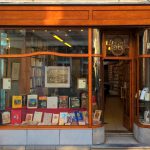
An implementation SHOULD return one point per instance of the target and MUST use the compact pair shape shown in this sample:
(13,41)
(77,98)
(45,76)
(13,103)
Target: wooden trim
(69,127)
(41,53)
(144,56)
(76,15)
(90,75)
(117,58)
(142,125)
(97,55)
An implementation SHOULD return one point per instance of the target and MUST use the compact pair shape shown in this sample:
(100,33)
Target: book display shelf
(49,84)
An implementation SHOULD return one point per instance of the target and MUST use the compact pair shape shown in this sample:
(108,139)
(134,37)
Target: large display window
(46,78)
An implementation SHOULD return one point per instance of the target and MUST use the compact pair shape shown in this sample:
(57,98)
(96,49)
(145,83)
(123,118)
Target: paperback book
(63,118)
(5,117)
(16,117)
(55,119)
(63,101)
(47,118)
(29,117)
(16,101)
(37,116)
(74,102)
(32,101)
(42,102)
(52,102)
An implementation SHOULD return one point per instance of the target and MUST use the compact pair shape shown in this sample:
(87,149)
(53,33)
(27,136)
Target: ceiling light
(33,30)
(58,38)
(45,30)
(67,44)
(57,30)
(69,30)
(82,30)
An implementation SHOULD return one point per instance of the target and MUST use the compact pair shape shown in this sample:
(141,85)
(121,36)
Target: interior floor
(114,114)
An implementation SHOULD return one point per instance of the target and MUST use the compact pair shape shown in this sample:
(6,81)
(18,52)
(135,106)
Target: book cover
(84,100)
(32,101)
(74,119)
(85,116)
(63,118)
(55,119)
(37,116)
(29,117)
(63,101)
(74,102)
(97,115)
(79,115)
(5,117)
(52,102)
(42,102)
(47,119)
(16,101)
(15,116)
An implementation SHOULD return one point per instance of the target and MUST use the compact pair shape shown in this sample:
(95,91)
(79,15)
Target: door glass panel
(117,45)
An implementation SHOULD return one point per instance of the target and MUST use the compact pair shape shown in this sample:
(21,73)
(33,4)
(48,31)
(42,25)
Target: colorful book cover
(32,101)
(78,115)
(29,117)
(16,101)
(37,116)
(74,102)
(5,117)
(16,116)
(47,119)
(74,119)
(84,100)
(42,102)
(63,118)
(52,102)
(55,119)
(63,101)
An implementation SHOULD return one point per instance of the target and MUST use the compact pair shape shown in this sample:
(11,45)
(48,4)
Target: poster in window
(82,83)
(15,71)
(57,76)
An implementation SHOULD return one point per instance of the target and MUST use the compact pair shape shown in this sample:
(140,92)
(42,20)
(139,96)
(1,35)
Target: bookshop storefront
(63,68)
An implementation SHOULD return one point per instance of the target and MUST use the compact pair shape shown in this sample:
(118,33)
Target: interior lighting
(33,30)
(67,44)
(45,30)
(58,38)
(82,30)
(69,30)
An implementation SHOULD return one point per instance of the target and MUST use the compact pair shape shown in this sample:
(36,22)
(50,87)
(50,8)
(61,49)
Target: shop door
(126,93)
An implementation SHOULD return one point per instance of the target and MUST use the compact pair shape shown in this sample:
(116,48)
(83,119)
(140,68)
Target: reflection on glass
(97,94)
(144,41)
(45,90)
(144,93)
(96,41)
(18,41)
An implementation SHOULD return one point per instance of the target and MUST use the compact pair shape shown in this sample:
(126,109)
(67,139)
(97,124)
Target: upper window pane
(19,41)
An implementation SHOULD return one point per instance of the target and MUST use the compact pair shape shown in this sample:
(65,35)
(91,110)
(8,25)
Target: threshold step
(121,147)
